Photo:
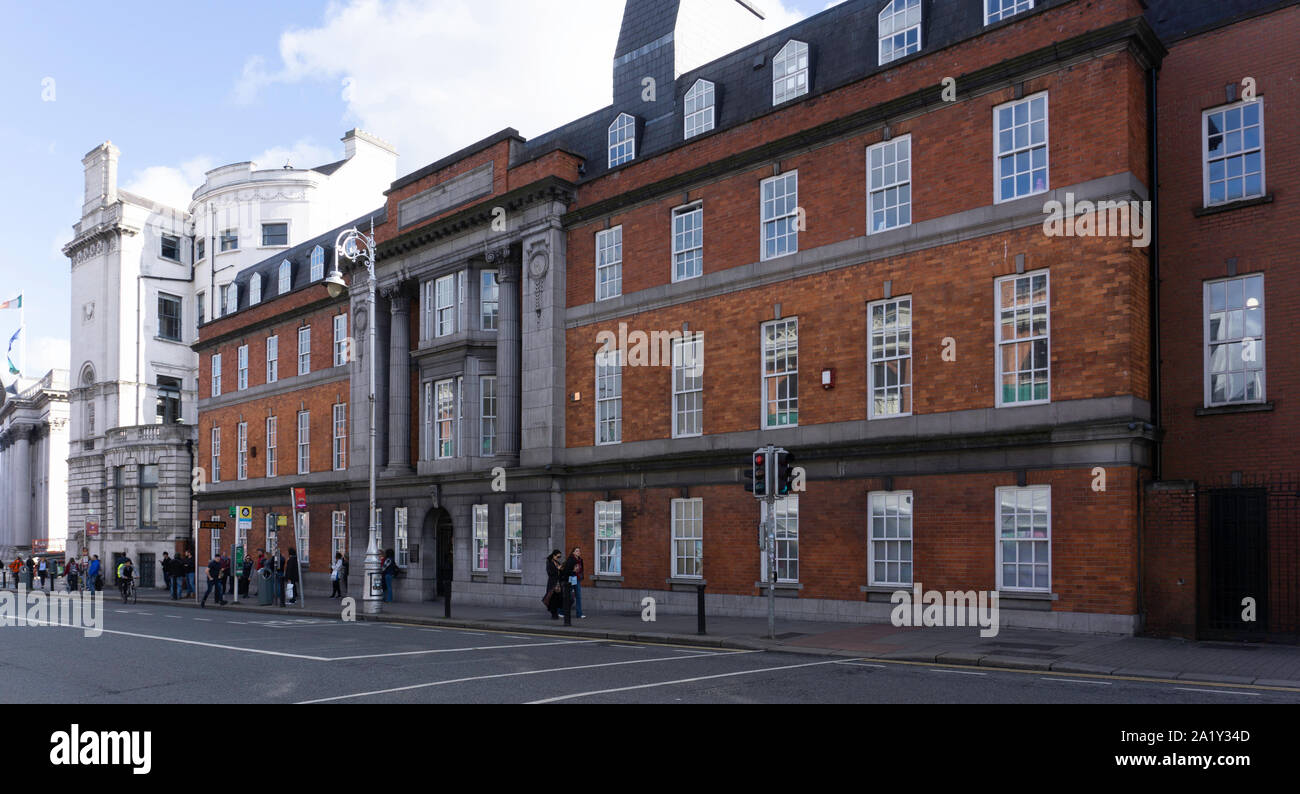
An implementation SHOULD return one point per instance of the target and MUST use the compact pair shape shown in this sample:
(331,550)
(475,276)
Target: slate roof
(299,258)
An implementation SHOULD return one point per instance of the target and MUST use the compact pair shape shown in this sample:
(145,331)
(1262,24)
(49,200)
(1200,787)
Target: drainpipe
(1153,152)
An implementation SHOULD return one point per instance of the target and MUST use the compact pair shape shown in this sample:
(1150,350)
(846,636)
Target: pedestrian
(225,575)
(261,563)
(291,577)
(92,575)
(214,582)
(83,568)
(554,591)
(336,570)
(574,570)
(389,570)
(42,571)
(188,570)
(245,575)
(15,567)
(167,571)
(277,567)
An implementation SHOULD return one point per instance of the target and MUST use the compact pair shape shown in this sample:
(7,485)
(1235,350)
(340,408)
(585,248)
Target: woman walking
(335,572)
(554,589)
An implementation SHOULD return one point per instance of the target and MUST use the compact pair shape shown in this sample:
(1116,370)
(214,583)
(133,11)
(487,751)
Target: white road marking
(1077,681)
(865,664)
(456,650)
(1219,691)
(688,650)
(633,647)
(956,672)
(173,617)
(204,620)
(682,680)
(506,675)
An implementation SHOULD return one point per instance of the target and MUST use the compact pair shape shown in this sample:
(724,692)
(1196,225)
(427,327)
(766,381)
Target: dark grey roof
(299,258)
(1176,19)
(329,168)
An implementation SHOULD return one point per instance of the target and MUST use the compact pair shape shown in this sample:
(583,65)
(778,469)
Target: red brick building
(275,401)
(1224,523)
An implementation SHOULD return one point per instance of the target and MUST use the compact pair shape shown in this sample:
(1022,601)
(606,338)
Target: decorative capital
(500,254)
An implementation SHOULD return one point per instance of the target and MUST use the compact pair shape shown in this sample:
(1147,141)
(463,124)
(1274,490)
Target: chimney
(355,139)
(101,177)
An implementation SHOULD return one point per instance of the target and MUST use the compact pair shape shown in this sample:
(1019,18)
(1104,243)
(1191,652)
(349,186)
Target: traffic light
(784,473)
(760,474)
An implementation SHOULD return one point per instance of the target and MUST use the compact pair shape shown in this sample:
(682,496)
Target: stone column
(506,261)
(399,379)
(20,483)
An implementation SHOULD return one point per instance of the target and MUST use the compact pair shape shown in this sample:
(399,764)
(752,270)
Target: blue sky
(182,87)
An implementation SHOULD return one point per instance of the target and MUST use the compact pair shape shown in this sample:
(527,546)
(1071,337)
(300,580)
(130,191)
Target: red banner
(300,498)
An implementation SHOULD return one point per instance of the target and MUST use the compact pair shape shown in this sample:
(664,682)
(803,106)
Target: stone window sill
(1243,408)
(606,580)
(1202,212)
(783,589)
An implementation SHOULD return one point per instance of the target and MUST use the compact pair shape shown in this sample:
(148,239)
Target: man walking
(167,571)
(175,569)
(189,573)
(214,582)
(92,575)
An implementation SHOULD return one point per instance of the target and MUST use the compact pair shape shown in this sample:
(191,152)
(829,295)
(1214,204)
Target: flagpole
(22,329)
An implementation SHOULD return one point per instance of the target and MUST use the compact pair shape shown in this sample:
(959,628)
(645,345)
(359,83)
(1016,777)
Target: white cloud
(173,186)
(434,77)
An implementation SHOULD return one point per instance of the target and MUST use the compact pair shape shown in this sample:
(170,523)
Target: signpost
(244,523)
(766,476)
(299,498)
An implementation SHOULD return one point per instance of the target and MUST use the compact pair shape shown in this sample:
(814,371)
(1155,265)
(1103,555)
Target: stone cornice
(550,188)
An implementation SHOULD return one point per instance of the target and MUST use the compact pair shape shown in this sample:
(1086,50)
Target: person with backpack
(389,571)
(42,571)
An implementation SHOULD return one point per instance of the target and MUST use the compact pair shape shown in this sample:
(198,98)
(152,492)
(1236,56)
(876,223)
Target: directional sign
(212,525)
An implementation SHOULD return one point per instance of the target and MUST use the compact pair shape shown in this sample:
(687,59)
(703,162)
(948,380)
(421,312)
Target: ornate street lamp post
(354,246)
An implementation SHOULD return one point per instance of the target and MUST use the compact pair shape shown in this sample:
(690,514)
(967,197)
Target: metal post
(446,602)
(770,500)
(568,603)
(699,609)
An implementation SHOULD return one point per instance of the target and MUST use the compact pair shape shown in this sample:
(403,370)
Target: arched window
(699,108)
(790,72)
(622,140)
(255,289)
(900,30)
(317,263)
(285,270)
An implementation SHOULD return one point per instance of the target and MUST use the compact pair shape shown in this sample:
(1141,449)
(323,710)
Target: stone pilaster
(399,379)
(506,260)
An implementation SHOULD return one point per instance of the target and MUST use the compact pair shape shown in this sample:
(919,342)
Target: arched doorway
(438,535)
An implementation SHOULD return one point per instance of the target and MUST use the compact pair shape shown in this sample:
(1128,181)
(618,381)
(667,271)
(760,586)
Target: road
(169,654)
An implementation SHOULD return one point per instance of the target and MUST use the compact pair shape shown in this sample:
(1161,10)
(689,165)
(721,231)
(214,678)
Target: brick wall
(1094,536)
(1169,579)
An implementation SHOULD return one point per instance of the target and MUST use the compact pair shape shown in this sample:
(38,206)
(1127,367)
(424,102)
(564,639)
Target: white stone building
(34,466)
(144,277)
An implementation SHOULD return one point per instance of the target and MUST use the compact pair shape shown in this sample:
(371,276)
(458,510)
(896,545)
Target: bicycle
(129,593)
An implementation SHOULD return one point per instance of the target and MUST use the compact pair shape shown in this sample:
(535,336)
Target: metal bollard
(446,603)
(568,603)
(699,608)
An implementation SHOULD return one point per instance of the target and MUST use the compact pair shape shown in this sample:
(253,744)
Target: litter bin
(265,588)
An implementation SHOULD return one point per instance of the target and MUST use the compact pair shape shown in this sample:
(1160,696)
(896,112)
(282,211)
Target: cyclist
(125,576)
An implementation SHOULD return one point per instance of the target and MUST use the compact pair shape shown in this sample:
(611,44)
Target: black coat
(291,568)
(554,574)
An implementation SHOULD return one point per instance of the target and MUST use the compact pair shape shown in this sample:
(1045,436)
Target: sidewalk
(1026,649)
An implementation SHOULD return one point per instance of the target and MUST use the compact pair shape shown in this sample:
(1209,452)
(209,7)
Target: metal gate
(147,566)
(1248,550)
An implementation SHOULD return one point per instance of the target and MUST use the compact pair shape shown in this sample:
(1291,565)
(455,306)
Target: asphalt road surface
(167,654)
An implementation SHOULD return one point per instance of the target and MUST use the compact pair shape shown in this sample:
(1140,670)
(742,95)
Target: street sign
(282,521)
(212,525)
(245,513)
(92,529)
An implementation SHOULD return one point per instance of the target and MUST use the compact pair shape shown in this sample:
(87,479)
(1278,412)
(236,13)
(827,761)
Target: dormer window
(622,140)
(699,108)
(255,289)
(790,72)
(285,271)
(997,10)
(900,30)
(317,263)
